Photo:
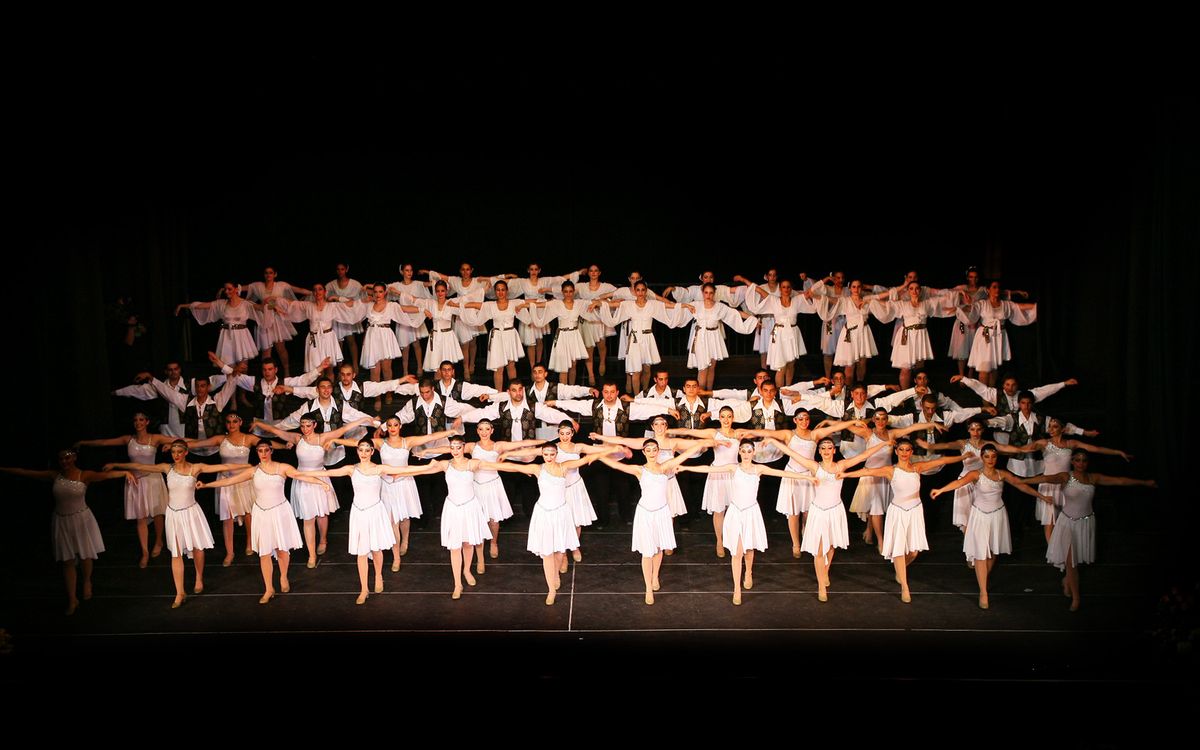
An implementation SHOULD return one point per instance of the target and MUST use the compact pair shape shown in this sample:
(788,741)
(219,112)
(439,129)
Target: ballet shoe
(557,584)
(320,549)
(470,579)
(1074,607)
(720,551)
(403,549)
(649,598)
(493,552)
(480,568)
(796,552)
(143,561)
(87,591)
(668,552)
(71,607)
(178,602)
(749,582)
(362,598)
(906,598)
(822,596)
(457,594)
(378,585)
(267,597)
(737,599)
(227,562)
(983,602)
(284,587)
(312,563)
(249,552)
(550,599)
(562,568)
(198,588)
(156,551)
(576,555)
(396,565)
(897,578)
(655,586)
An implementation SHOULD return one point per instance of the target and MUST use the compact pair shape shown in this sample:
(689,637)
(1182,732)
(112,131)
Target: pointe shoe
(198,588)
(983,602)
(470,579)
(320,549)
(649,598)
(822,596)
(720,551)
(493,552)
(737,599)
(906,598)
(396,565)
(457,594)
(655,586)
(576,555)
(362,598)
(378,585)
(143,561)
(749,582)
(227,562)
(267,597)
(403,549)
(562,568)
(550,599)
(71,607)
(284,587)
(796,552)
(178,601)
(312,563)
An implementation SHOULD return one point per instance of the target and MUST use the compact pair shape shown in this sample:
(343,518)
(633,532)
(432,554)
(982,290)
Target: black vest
(1002,408)
(551,394)
(621,424)
(505,422)
(1019,437)
(690,420)
(163,407)
(335,415)
(421,422)
(214,423)
(455,390)
(355,400)
(279,404)
(758,419)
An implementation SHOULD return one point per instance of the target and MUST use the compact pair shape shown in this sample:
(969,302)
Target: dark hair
(877,411)
(929,398)
(904,441)
(745,441)
(650,441)
(367,442)
(567,283)
(181,443)
(484,421)
(268,361)
(446,362)
(442,284)
(1026,395)
(425,382)
(324,379)
(566,423)
(708,285)
(724,409)
(824,440)
(799,413)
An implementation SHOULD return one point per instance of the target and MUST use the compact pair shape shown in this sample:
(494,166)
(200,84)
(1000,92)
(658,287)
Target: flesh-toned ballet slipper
(550,599)
(396,565)
(87,591)
(267,597)
(822,596)
(378,585)
(249,552)
(655,586)
(227,562)
(403,549)
(557,584)
(649,598)
(156,551)
(178,601)
(720,551)
(71,607)
(143,561)
(284,587)
(470,579)
(457,594)
(737,599)
(796,552)
(749,582)
(576,555)
(983,602)
(312,563)
(198,588)
(563,568)
(906,598)
(362,598)
(493,551)
(480,568)
(321,549)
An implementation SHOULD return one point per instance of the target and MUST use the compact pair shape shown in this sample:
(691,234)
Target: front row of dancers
(476,503)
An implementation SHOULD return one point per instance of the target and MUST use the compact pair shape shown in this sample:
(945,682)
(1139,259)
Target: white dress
(641,348)
(855,341)
(272,326)
(743,525)
(320,341)
(412,328)
(990,349)
(568,345)
(834,321)
(444,344)
(826,527)
(186,527)
(399,493)
(962,334)
(380,341)
(352,291)
(273,525)
(674,493)
(463,519)
(762,339)
(1055,460)
(489,490)
(532,329)
(652,528)
(593,329)
(235,342)
(504,342)
(987,533)
(312,500)
(706,344)
(904,525)
(965,495)
(370,524)
(719,487)
(784,343)
(73,528)
(795,494)
(578,499)
(873,494)
(551,527)
(910,340)
(235,500)
(1075,531)
(148,498)
(474,292)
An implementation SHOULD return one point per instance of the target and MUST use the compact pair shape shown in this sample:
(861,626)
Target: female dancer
(785,344)
(346,289)
(235,342)
(990,349)
(274,531)
(987,534)
(1074,540)
(856,344)
(963,333)
(904,528)
(707,343)
(568,346)
(832,289)
(534,288)
(718,487)
(794,497)
(1056,459)
(464,524)
(471,289)
(744,530)
(322,314)
(145,499)
(187,528)
(874,493)
(595,333)
(380,345)
(371,530)
(74,530)
(273,329)
(399,492)
(641,313)
(504,343)
(406,333)
(489,490)
(826,528)
(667,448)
(443,321)
(971,449)
(762,341)
(652,532)
(233,503)
(312,504)
(552,526)
(910,342)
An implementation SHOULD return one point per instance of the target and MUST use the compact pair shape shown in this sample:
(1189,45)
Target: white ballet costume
(762,339)
(652,527)
(873,494)
(399,493)
(910,341)
(444,344)
(474,292)
(235,500)
(504,341)
(987,532)
(963,496)
(273,527)
(352,291)
(489,490)
(1075,531)
(552,526)
(592,328)
(568,345)
(743,525)
(962,333)
(235,342)
(186,527)
(312,500)
(784,342)
(148,498)
(641,348)
(904,525)
(463,519)
(272,327)
(320,342)
(674,493)
(706,344)
(719,487)
(73,529)
(412,328)
(990,349)
(380,341)
(855,342)
(370,523)
(826,527)
(796,494)
(1055,460)
(578,499)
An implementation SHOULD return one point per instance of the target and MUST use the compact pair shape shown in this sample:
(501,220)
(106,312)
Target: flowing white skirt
(569,347)
(963,497)
(401,498)
(826,529)
(904,531)
(146,499)
(1077,535)
(464,524)
(831,333)
(235,500)
(918,349)
(311,500)
(379,344)
(186,530)
(370,529)
(530,334)
(642,352)
(407,335)
(272,327)
(794,496)
(871,497)
(326,345)
(652,531)
(443,346)
(988,356)
(551,531)
(580,503)
(961,336)
(494,499)
(762,337)
(705,348)
(718,488)
(76,535)
(675,497)
(744,527)
(274,529)
(1044,512)
(786,347)
(860,346)
(236,344)
(503,347)
(987,535)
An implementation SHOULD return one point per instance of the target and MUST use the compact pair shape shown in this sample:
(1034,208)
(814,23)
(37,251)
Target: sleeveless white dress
(489,490)
(674,493)
(794,494)
(652,529)
(400,495)
(904,525)
(73,528)
(1055,460)
(370,524)
(312,500)
(578,499)
(551,527)
(1076,528)
(963,496)
(826,527)
(987,532)
(743,518)
(149,497)
(718,488)
(873,494)
(273,524)
(463,519)
(186,527)
(236,500)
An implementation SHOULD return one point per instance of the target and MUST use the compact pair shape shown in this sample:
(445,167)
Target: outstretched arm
(1017,482)
(846,463)
(144,468)
(687,453)
(592,457)
(631,470)
(1097,449)
(962,481)
(30,473)
(1106,480)
(768,471)
(825,432)
(882,471)
(506,466)
(228,481)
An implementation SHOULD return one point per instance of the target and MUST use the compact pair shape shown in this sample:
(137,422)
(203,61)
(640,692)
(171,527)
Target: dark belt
(906,329)
(312,341)
(696,335)
(560,330)
(443,330)
(379,325)
(780,325)
(633,335)
(492,332)
(848,330)
(987,331)
(232,326)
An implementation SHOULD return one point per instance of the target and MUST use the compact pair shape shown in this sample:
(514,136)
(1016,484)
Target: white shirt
(333,453)
(146,392)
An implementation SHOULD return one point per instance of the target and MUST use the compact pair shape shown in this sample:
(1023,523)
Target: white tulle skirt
(312,500)
(580,503)
(551,530)
(491,494)
(379,344)
(370,529)
(794,496)
(274,529)
(146,499)
(1076,535)
(186,530)
(718,488)
(826,528)
(904,531)
(76,536)
(463,524)
(871,497)
(745,527)
(653,531)
(401,498)
(987,535)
